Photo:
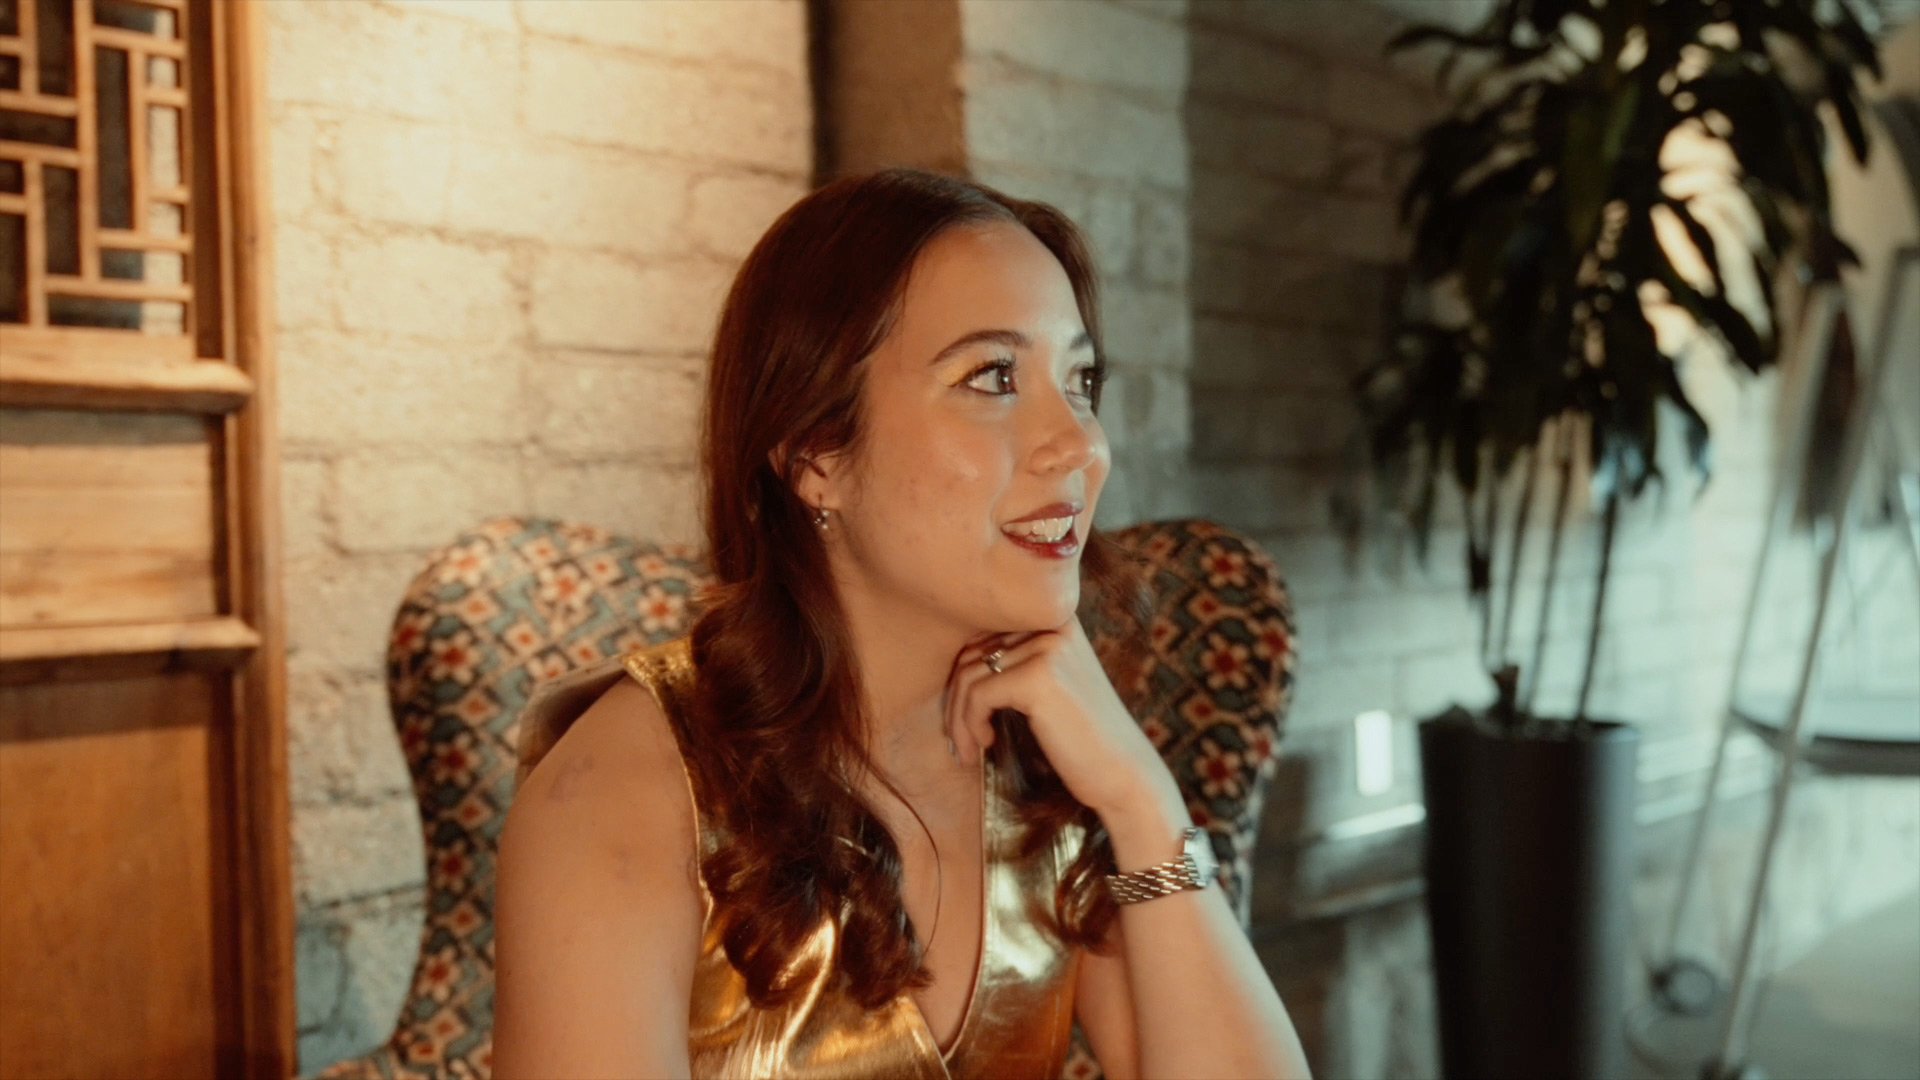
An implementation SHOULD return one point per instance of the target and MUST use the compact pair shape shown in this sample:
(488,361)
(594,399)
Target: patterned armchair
(521,600)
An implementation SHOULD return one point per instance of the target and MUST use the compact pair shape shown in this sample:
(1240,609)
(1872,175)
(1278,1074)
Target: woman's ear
(812,477)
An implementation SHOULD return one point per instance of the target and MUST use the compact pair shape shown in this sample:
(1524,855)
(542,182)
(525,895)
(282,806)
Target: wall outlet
(1373,752)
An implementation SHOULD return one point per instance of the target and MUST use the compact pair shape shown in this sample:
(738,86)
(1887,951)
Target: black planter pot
(1529,855)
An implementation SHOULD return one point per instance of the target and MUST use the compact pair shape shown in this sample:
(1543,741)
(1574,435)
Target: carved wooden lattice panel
(95,176)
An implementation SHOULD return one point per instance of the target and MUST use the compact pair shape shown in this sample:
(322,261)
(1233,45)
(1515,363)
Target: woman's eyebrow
(1013,339)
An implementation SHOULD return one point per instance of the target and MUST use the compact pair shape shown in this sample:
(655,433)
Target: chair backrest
(521,600)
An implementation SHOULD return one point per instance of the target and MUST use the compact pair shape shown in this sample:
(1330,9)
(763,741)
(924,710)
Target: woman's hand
(1054,678)
(1187,990)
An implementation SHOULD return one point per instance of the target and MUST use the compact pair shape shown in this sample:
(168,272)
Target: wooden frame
(101,382)
(254,565)
(219,365)
(66,652)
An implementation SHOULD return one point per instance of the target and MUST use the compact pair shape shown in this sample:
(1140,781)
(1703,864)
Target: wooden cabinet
(145,902)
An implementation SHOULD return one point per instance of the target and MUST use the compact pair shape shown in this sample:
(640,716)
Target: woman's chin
(1035,608)
(1033,620)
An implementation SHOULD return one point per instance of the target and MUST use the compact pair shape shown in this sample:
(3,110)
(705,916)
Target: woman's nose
(1068,440)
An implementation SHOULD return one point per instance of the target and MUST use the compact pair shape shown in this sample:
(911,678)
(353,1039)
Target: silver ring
(993,660)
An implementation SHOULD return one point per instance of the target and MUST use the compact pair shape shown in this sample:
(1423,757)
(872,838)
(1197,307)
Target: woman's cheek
(967,456)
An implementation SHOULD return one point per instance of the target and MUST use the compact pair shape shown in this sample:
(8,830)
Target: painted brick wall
(1078,105)
(1075,104)
(504,231)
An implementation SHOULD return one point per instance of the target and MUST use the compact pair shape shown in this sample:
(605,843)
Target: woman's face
(978,413)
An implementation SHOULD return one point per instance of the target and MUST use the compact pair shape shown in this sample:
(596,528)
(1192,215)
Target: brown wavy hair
(775,728)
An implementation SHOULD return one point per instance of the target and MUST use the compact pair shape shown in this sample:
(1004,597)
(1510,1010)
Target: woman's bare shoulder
(621,731)
(599,912)
(610,792)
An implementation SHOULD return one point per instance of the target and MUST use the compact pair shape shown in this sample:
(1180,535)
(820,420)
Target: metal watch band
(1162,880)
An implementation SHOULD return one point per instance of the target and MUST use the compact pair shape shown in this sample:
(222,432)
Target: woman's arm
(1195,1001)
(1184,995)
(1103,1003)
(598,916)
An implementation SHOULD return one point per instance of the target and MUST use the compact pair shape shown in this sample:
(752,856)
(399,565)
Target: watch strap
(1165,879)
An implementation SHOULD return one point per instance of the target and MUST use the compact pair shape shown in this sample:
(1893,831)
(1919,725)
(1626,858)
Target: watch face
(1199,853)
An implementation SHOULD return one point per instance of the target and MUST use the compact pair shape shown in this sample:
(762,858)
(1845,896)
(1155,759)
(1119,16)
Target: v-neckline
(986,916)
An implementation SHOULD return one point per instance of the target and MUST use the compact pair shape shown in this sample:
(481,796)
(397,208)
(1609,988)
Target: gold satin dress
(1017,1020)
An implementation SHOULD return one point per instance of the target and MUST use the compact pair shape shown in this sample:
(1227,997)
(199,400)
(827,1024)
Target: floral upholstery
(520,600)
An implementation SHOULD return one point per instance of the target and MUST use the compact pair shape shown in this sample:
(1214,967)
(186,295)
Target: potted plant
(1545,233)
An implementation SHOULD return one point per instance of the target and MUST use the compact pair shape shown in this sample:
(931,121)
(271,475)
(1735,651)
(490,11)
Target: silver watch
(1196,868)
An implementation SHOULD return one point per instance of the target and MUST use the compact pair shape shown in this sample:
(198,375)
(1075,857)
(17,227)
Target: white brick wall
(361,389)
(504,231)
(617,97)
(404,61)
(739,34)
(427,287)
(1142,51)
(593,301)
(420,500)
(1079,105)
(657,406)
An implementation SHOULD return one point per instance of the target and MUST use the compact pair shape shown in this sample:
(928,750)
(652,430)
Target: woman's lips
(1064,548)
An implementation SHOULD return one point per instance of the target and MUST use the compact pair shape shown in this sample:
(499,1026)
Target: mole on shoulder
(566,784)
(625,865)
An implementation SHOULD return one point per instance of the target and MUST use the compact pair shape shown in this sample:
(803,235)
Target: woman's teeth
(1045,530)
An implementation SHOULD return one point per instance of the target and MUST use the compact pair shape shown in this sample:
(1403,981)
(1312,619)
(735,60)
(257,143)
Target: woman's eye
(1088,377)
(1091,377)
(1002,370)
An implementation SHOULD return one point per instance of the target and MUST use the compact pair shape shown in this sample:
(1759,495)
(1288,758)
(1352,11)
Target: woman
(888,716)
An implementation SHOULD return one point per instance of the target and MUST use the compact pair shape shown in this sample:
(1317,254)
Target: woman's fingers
(976,693)
(961,731)
(987,690)
(959,734)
